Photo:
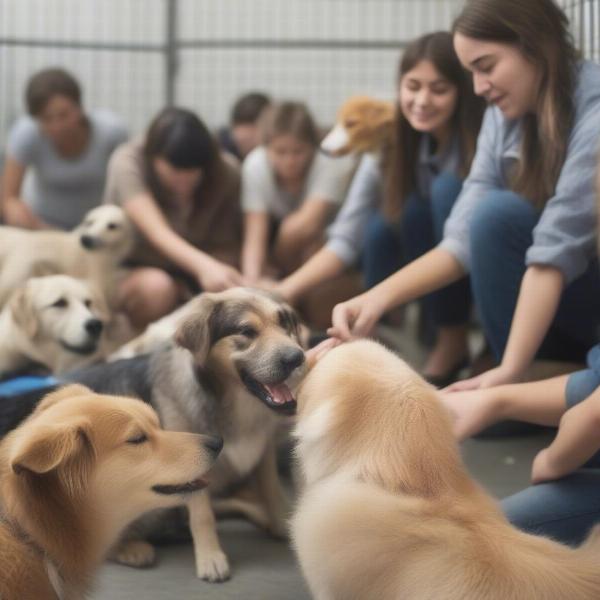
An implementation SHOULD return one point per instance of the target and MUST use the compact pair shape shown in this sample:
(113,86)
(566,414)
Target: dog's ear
(67,391)
(64,447)
(23,312)
(196,332)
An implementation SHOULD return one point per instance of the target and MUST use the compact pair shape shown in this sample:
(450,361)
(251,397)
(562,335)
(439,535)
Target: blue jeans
(389,246)
(501,232)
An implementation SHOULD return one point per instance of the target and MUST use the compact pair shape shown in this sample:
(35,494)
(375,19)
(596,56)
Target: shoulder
(25,130)
(127,156)
(108,124)
(256,164)
(587,90)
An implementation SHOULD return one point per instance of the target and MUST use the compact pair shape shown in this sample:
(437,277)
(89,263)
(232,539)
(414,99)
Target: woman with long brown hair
(524,226)
(398,202)
(182,195)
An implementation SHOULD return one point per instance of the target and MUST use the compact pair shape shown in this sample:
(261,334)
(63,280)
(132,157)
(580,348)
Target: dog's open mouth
(84,349)
(277,396)
(182,488)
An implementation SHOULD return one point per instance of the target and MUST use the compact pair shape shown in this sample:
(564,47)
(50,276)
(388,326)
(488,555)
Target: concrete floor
(265,569)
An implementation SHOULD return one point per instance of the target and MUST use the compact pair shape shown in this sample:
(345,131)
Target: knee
(498,216)
(148,294)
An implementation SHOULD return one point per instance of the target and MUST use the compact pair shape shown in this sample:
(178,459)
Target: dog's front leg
(273,495)
(211,562)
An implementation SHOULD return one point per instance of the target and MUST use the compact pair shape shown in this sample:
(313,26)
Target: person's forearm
(322,266)
(578,437)
(539,402)
(538,301)
(428,273)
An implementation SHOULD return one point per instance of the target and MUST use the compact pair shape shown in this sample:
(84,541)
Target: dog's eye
(88,303)
(112,226)
(350,124)
(248,332)
(138,439)
(60,303)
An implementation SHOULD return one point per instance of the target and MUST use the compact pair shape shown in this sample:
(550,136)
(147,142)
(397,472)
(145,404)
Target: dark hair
(178,136)
(48,83)
(400,161)
(289,118)
(540,30)
(248,108)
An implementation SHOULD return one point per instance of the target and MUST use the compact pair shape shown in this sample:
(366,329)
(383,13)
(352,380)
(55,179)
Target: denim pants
(390,246)
(501,232)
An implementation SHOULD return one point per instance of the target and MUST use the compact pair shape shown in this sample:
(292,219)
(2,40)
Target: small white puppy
(55,321)
(94,251)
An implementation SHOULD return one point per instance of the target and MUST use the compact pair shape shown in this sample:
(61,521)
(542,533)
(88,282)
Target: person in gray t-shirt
(524,226)
(57,155)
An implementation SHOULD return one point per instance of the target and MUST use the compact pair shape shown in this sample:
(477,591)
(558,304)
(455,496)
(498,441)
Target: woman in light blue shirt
(525,223)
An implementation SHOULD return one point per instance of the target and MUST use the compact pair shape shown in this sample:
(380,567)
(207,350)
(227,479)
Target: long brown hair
(400,161)
(178,136)
(540,30)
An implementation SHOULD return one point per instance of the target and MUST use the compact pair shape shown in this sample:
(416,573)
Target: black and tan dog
(228,371)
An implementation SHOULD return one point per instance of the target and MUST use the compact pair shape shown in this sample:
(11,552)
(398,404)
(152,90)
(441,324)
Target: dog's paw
(134,553)
(214,567)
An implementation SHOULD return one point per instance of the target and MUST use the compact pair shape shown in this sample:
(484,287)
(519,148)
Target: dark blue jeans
(501,232)
(390,246)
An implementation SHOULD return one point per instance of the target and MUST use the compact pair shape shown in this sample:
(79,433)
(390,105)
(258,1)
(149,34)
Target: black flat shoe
(446,379)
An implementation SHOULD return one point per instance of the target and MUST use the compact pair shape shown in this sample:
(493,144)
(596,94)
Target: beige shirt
(214,223)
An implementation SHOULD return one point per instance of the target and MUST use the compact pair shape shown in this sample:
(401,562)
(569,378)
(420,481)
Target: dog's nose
(94,327)
(87,241)
(291,358)
(213,443)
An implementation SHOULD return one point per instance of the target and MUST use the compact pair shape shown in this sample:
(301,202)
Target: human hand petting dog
(499,375)
(355,317)
(216,276)
(320,350)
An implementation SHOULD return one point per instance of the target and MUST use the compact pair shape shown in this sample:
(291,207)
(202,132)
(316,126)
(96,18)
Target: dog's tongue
(280,393)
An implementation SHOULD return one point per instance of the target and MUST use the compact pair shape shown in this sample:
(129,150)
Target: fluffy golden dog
(363,124)
(74,475)
(389,511)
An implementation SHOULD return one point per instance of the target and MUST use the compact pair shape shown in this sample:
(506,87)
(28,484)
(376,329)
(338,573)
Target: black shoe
(446,379)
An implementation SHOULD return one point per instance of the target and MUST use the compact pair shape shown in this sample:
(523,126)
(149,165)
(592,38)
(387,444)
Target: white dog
(55,321)
(94,251)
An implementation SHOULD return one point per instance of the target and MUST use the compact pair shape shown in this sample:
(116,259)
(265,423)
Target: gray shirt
(62,190)
(565,234)
(346,234)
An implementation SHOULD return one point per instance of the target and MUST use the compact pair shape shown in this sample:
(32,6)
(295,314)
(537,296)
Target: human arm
(540,402)
(211,274)
(577,440)
(357,317)
(14,211)
(254,249)
(301,229)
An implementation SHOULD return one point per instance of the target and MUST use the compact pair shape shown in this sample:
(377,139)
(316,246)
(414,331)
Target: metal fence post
(171,52)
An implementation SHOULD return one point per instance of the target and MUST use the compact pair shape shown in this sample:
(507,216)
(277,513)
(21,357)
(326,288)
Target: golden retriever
(94,250)
(363,124)
(56,322)
(389,511)
(74,475)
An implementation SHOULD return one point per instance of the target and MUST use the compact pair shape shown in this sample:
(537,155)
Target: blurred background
(135,56)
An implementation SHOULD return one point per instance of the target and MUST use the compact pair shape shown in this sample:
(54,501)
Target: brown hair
(248,108)
(539,29)
(400,161)
(289,118)
(48,83)
(178,136)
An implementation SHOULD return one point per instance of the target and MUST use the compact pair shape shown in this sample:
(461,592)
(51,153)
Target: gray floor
(265,569)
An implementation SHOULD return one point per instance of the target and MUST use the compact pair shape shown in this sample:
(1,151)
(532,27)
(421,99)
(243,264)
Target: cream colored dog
(94,251)
(57,322)
(363,124)
(389,511)
(74,475)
